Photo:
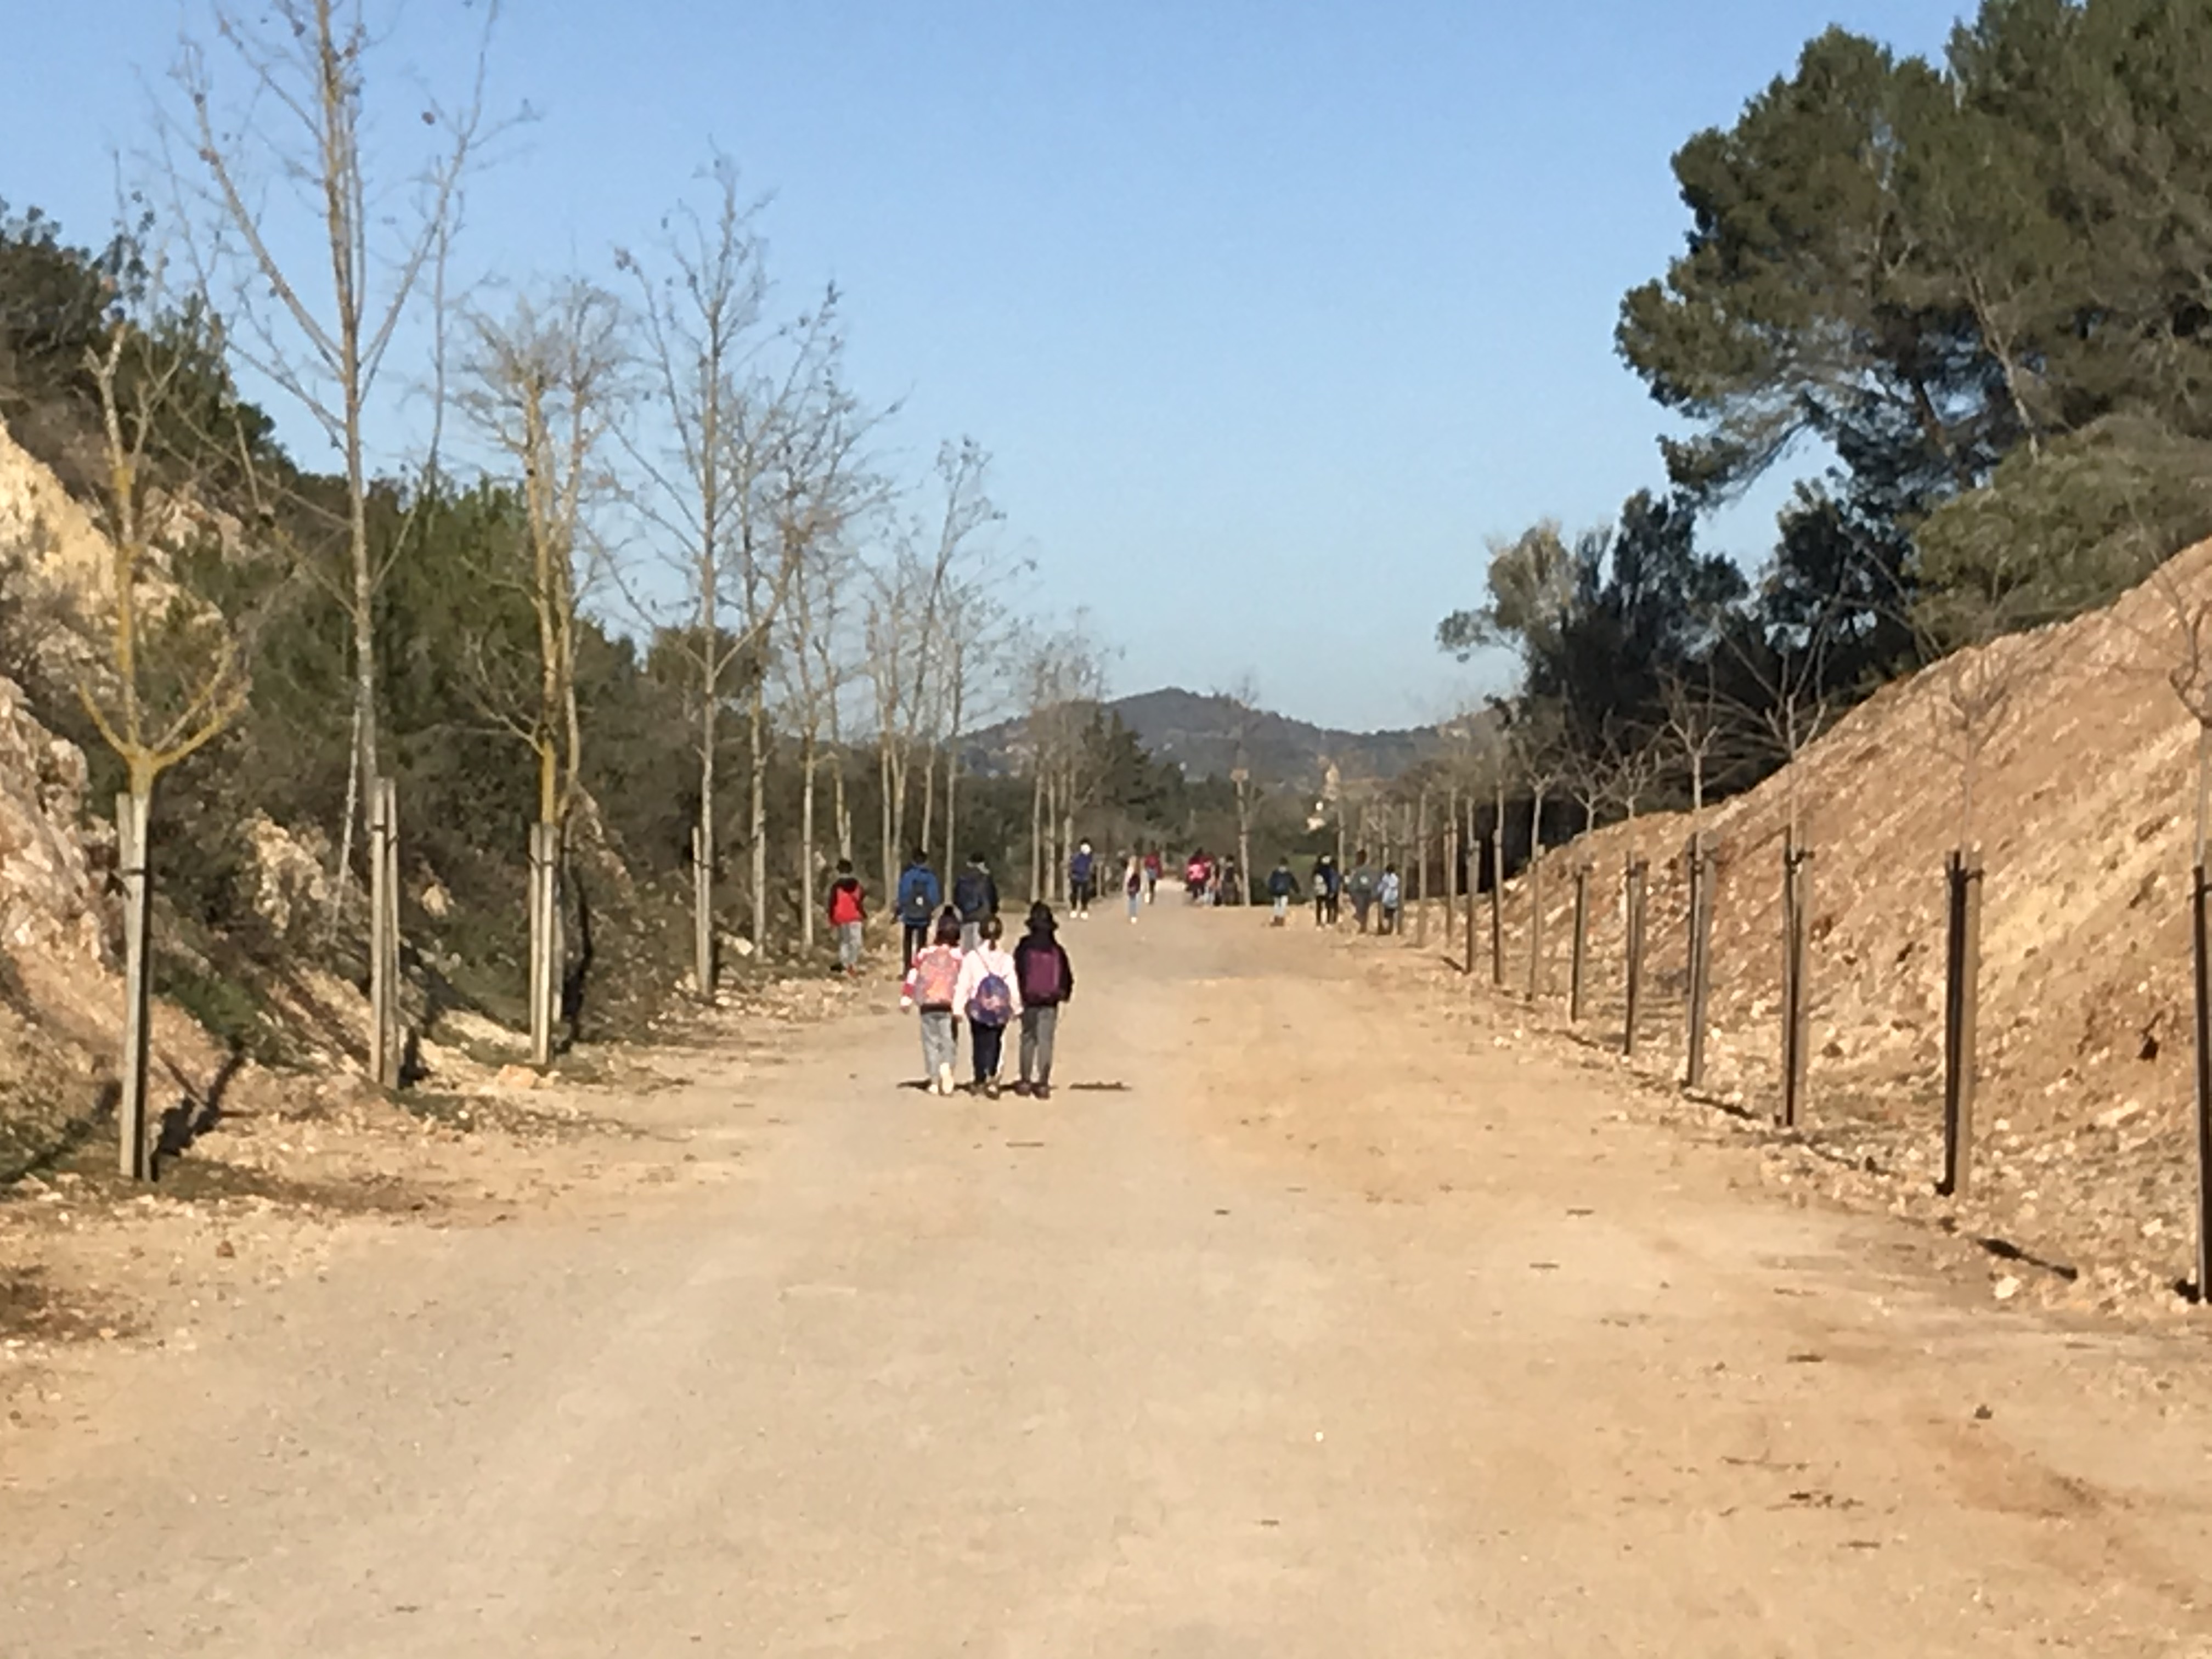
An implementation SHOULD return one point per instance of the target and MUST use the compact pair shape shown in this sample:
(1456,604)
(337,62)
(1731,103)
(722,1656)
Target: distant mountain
(1199,734)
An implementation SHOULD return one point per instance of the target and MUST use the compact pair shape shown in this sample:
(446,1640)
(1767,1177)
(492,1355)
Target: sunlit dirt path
(1301,1321)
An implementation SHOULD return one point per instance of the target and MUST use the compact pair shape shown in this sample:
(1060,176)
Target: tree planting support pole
(1579,960)
(1471,852)
(1421,875)
(1701,957)
(702,915)
(132,817)
(1961,1000)
(1797,897)
(1639,881)
(1498,907)
(542,958)
(384,933)
(2203,950)
(1535,923)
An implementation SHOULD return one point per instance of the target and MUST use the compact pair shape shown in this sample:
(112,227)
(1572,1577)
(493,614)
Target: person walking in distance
(933,984)
(990,998)
(1282,888)
(848,916)
(1046,979)
(1326,886)
(1133,886)
(1389,893)
(918,898)
(1082,877)
(976,896)
(1152,877)
(1359,888)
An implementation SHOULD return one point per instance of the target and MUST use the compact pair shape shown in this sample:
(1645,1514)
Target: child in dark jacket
(1047,979)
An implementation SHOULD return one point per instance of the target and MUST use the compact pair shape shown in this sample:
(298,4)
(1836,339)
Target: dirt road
(1308,1322)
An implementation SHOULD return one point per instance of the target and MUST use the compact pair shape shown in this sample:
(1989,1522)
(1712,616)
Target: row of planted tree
(616,562)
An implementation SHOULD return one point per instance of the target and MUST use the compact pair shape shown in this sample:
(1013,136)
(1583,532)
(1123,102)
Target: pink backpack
(936,976)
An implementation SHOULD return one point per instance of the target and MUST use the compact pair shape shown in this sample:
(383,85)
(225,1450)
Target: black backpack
(972,895)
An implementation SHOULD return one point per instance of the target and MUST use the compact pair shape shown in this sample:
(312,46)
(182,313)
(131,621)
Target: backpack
(992,1002)
(917,893)
(972,895)
(936,977)
(1041,980)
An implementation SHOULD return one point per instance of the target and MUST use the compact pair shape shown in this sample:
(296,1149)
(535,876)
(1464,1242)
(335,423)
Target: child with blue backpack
(990,998)
(919,898)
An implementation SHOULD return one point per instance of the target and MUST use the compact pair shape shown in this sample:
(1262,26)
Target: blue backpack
(918,894)
(992,1003)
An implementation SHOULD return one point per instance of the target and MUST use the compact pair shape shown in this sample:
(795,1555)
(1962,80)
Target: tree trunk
(807,763)
(891,849)
(132,812)
(756,826)
(1244,838)
(1037,894)
(929,796)
(703,853)
(952,799)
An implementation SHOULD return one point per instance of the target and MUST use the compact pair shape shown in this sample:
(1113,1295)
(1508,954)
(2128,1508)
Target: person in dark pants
(1359,888)
(1047,982)
(919,898)
(1327,886)
(976,895)
(989,999)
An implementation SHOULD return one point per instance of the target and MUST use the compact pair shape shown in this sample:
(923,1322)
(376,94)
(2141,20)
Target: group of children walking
(990,989)
(1139,878)
(1376,897)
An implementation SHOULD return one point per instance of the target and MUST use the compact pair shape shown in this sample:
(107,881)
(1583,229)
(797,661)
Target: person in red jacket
(849,917)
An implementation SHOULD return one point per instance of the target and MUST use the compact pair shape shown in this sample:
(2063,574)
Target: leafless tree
(747,463)
(1243,699)
(276,138)
(543,385)
(909,614)
(702,298)
(1694,728)
(174,675)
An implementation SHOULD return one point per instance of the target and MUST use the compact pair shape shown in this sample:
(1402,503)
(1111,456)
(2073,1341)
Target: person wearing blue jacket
(919,898)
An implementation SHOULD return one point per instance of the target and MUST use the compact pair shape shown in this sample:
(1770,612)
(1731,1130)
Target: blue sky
(1269,313)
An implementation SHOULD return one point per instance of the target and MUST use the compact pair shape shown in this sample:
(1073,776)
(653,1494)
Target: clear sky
(1268,311)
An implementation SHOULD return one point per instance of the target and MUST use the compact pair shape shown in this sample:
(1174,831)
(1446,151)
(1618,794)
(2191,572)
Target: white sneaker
(944,1079)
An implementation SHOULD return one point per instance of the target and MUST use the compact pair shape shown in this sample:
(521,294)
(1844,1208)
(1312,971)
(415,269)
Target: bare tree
(174,676)
(752,432)
(281,128)
(818,488)
(1242,698)
(702,305)
(1694,728)
(815,664)
(907,624)
(542,386)
(544,383)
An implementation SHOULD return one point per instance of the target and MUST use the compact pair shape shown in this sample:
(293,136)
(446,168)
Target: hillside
(1198,733)
(2085,801)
